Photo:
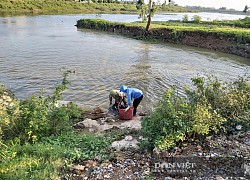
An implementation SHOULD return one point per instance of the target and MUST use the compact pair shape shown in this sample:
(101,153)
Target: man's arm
(110,100)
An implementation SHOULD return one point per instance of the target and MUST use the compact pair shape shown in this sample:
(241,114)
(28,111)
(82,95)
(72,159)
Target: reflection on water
(33,49)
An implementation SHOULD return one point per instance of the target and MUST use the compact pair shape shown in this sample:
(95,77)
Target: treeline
(70,6)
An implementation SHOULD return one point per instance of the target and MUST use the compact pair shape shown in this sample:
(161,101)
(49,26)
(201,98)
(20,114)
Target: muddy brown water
(34,48)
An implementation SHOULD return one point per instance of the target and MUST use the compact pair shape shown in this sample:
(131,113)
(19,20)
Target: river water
(33,49)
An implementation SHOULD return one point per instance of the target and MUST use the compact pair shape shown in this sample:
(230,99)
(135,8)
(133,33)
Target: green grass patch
(49,158)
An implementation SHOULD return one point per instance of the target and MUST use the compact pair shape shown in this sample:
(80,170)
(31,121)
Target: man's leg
(136,103)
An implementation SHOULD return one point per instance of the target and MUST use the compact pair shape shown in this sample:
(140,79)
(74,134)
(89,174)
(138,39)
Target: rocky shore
(209,40)
(221,157)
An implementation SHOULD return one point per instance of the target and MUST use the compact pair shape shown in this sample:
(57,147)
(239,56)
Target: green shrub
(234,104)
(9,111)
(196,19)
(168,123)
(59,120)
(32,124)
(209,107)
(230,100)
(205,119)
(38,116)
(185,18)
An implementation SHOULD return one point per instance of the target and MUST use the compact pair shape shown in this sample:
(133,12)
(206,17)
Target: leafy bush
(32,124)
(234,104)
(196,19)
(168,123)
(230,100)
(185,18)
(38,116)
(210,107)
(9,111)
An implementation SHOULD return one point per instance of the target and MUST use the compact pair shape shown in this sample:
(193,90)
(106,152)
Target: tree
(140,5)
(151,11)
(147,13)
(150,14)
(245,9)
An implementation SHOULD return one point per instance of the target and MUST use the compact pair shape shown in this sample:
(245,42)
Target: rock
(98,159)
(200,154)
(97,110)
(115,127)
(184,145)
(87,123)
(79,125)
(212,154)
(128,138)
(135,123)
(109,119)
(217,177)
(247,142)
(209,138)
(96,113)
(124,144)
(143,114)
(102,122)
(79,167)
(106,176)
(110,166)
(238,127)
(156,151)
(199,148)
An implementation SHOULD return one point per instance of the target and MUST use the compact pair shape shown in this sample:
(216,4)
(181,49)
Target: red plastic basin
(125,115)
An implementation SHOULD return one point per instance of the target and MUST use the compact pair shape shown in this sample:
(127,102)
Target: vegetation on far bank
(224,28)
(38,142)
(74,7)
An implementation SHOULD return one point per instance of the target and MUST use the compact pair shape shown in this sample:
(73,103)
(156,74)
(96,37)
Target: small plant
(196,19)
(185,18)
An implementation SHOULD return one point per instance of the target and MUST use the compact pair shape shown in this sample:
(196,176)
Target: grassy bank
(63,7)
(223,36)
(72,7)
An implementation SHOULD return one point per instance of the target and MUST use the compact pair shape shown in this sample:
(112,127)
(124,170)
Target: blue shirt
(131,93)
